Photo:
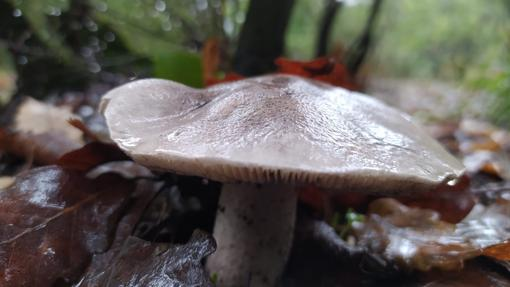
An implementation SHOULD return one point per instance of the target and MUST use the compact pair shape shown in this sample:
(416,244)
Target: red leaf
(321,69)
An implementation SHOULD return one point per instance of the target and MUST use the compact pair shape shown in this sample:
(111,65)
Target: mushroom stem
(254,230)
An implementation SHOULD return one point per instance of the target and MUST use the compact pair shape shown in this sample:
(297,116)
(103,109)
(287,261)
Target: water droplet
(53,11)
(160,6)
(86,52)
(228,27)
(109,37)
(22,60)
(85,111)
(17,13)
(49,251)
(202,5)
(166,26)
(94,68)
(240,18)
(101,6)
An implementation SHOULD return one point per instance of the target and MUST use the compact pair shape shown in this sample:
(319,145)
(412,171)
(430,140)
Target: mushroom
(262,137)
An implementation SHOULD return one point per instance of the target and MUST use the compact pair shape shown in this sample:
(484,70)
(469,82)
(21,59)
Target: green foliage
(498,84)
(303,28)
(182,67)
(344,227)
(443,39)
(7,75)
(158,30)
(36,12)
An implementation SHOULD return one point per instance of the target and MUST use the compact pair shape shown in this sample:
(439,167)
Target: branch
(327,20)
(358,51)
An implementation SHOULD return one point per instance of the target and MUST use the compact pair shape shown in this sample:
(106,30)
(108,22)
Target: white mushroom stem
(254,230)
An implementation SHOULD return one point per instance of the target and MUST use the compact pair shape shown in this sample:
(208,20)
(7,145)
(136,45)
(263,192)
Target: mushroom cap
(276,129)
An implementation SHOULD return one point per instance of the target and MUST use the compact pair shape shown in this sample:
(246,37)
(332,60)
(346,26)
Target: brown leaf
(37,117)
(416,238)
(40,132)
(472,275)
(452,203)
(80,125)
(91,155)
(52,221)
(44,148)
(142,263)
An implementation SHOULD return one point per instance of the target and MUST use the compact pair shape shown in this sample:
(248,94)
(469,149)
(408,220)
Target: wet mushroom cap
(278,129)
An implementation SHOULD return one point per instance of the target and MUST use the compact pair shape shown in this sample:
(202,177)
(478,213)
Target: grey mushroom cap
(276,129)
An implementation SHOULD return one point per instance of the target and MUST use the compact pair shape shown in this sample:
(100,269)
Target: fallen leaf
(417,239)
(91,155)
(80,125)
(40,132)
(321,69)
(484,148)
(52,221)
(452,203)
(472,275)
(36,117)
(142,263)
(43,148)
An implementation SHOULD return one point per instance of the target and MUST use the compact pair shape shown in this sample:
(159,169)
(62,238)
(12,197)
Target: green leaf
(180,66)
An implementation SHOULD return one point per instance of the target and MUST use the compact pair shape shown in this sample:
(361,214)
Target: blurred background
(439,60)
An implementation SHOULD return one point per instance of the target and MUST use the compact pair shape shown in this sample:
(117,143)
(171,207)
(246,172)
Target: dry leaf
(36,117)
(40,133)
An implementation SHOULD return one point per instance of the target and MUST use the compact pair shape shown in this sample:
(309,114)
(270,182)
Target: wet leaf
(52,221)
(80,125)
(484,148)
(472,275)
(91,155)
(43,148)
(452,203)
(142,263)
(417,239)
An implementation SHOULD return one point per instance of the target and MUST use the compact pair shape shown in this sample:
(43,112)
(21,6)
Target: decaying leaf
(40,132)
(53,220)
(43,148)
(91,155)
(36,117)
(452,202)
(142,263)
(472,275)
(416,238)
(6,181)
(321,69)
(484,148)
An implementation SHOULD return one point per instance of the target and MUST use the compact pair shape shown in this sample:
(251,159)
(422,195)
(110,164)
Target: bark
(330,11)
(262,36)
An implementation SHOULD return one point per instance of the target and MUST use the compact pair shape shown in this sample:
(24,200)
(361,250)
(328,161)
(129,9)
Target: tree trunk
(262,36)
